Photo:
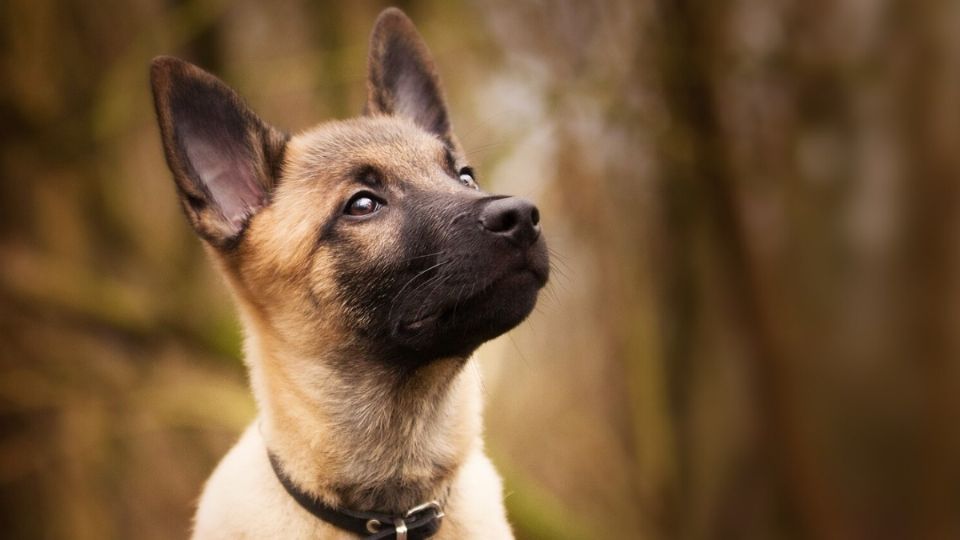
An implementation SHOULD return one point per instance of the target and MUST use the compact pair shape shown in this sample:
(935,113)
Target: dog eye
(362,204)
(466,178)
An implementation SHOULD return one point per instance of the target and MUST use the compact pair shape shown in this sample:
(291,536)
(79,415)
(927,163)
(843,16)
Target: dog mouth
(500,288)
(419,324)
(485,288)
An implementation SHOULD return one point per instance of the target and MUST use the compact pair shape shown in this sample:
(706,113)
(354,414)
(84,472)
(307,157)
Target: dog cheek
(363,282)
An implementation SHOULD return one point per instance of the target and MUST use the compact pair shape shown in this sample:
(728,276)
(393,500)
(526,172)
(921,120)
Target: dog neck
(367,439)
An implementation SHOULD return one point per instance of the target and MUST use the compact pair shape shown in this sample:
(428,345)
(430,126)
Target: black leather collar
(418,523)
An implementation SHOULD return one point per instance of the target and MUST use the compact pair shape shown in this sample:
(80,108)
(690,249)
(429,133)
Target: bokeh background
(753,328)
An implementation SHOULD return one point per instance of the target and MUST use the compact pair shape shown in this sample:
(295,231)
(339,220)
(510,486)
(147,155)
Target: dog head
(367,238)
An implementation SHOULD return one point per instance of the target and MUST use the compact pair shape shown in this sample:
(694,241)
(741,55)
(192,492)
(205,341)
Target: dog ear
(224,159)
(403,79)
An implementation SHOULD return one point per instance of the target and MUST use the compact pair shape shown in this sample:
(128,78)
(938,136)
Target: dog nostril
(508,221)
(513,218)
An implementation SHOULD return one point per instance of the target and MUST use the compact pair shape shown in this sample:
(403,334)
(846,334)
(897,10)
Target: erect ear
(224,159)
(403,79)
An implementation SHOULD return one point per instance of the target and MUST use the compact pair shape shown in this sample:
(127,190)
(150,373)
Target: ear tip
(165,67)
(392,18)
(165,63)
(392,12)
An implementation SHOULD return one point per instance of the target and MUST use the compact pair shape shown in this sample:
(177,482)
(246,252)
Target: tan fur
(350,432)
(327,431)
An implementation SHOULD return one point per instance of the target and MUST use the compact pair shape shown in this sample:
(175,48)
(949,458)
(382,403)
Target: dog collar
(420,522)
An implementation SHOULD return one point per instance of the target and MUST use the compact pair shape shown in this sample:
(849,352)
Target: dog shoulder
(475,507)
(243,500)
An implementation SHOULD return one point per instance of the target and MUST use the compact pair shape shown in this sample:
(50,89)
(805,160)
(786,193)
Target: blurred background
(753,325)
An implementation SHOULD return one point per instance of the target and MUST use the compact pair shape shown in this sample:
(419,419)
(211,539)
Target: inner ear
(403,78)
(224,159)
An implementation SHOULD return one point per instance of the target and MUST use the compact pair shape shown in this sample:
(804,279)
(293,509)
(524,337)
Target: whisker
(523,357)
(435,282)
(393,302)
(481,148)
(560,269)
(456,302)
(552,294)
(557,256)
(564,278)
(422,256)
(479,376)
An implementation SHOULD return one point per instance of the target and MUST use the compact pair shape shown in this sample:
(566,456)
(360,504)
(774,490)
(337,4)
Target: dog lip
(542,274)
(417,325)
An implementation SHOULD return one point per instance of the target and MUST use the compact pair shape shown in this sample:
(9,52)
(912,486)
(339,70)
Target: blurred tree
(753,328)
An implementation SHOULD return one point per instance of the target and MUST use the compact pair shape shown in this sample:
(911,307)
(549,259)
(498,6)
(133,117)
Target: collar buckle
(418,523)
(425,506)
(400,523)
(400,528)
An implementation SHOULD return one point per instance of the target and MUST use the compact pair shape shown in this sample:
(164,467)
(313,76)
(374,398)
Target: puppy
(367,266)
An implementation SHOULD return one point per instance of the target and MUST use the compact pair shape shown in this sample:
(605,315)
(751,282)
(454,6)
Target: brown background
(753,328)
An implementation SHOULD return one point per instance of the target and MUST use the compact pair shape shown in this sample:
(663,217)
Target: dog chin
(458,329)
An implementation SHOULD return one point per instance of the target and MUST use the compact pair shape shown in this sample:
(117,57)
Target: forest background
(752,330)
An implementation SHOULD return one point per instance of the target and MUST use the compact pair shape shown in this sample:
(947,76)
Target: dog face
(366,238)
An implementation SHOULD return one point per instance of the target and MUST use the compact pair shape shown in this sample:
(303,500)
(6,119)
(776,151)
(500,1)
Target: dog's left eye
(466,178)
(362,204)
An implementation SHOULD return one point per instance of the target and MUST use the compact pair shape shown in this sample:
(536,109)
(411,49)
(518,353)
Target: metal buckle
(427,505)
(400,524)
(401,527)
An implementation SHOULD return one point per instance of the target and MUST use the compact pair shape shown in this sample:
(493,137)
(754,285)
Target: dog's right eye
(466,178)
(362,204)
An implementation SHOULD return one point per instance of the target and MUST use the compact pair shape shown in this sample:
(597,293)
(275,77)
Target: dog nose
(514,218)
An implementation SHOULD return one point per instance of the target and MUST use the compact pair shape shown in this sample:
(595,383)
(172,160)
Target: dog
(367,266)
